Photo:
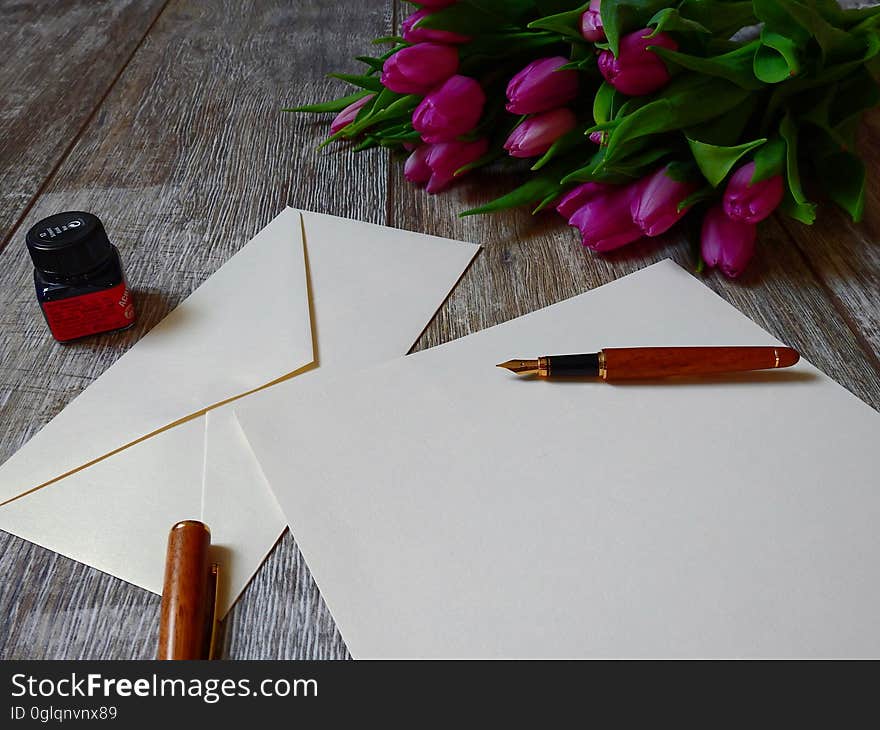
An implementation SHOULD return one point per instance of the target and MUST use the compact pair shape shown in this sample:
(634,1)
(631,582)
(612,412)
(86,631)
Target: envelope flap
(375,288)
(246,326)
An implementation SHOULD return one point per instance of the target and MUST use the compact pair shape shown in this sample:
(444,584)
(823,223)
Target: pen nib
(521,367)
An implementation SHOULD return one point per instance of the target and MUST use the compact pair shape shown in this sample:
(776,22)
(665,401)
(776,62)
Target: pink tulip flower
(416,169)
(727,244)
(349,114)
(604,221)
(446,158)
(418,69)
(575,199)
(655,205)
(591,23)
(411,34)
(637,71)
(537,134)
(597,138)
(450,111)
(540,87)
(750,202)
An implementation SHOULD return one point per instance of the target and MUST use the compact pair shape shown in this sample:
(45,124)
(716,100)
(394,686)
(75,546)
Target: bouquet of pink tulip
(631,113)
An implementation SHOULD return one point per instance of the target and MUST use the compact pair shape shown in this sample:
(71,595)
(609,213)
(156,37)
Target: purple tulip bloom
(727,244)
(416,169)
(591,23)
(418,69)
(349,114)
(637,71)
(412,34)
(537,134)
(576,198)
(450,111)
(446,158)
(750,202)
(655,205)
(604,221)
(540,87)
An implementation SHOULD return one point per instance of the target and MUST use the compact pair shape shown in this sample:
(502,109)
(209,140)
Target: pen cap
(186,595)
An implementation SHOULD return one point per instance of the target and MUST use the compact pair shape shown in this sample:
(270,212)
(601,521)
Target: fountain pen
(637,363)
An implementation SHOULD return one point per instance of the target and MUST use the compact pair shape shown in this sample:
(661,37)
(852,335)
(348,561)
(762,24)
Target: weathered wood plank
(188,157)
(60,58)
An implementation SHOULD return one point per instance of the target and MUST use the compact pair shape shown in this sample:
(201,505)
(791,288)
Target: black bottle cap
(69,244)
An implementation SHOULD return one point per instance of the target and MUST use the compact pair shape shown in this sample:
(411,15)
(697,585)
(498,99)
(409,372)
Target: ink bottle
(78,276)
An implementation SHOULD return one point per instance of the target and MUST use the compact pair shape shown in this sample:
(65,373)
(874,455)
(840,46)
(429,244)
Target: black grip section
(574,365)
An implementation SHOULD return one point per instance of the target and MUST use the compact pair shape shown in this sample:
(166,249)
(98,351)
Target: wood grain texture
(188,156)
(60,59)
(632,363)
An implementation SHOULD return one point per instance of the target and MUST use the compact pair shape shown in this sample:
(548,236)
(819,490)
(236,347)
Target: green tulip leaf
(703,194)
(670,19)
(385,40)
(686,102)
(330,107)
(777,58)
(606,103)
(789,132)
(855,94)
(463,18)
(735,66)
(802,212)
(626,16)
(775,16)
(632,167)
(488,47)
(843,178)
(536,189)
(365,81)
(795,203)
(567,24)
(386,106)
(376,64)
(723,18)
(716,162)
(565,144)
(828,75)
(842,172)
(770,160)
(487,159)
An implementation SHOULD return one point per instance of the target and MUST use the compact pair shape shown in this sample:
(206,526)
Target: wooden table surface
(162,116)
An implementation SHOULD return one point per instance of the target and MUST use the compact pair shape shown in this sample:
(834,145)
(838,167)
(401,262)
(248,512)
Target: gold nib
(522,367)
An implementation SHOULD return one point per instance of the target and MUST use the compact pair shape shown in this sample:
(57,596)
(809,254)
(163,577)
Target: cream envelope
(151,442)
(448,509)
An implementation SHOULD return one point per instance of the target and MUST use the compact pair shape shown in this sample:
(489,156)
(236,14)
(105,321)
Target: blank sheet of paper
(448,509)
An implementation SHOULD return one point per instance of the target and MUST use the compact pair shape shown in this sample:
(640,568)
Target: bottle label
(89,314)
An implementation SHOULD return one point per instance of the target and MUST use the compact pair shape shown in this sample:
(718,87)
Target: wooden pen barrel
(663,362)
(185,596)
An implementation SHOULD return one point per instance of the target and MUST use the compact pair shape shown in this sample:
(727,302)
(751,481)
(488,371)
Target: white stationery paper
(306,295)
(447,508)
